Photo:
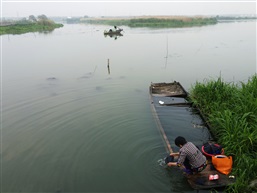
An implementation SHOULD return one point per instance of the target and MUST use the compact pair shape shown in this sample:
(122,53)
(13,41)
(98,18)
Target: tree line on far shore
(40,23)
(156,22)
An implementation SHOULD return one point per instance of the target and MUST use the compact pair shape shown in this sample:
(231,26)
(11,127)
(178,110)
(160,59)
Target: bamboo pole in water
(159,125)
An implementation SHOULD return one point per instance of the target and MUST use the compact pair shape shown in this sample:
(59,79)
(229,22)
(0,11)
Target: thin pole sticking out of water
(167,51)
(108,66)
(94,69)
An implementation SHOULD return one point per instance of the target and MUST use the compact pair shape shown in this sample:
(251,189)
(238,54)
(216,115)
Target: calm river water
(70,125)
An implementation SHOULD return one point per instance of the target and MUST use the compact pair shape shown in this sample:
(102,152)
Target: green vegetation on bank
(42,24)
(156,22)
(231,110)
(236,18)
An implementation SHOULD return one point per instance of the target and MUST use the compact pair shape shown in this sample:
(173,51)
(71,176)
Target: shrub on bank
(19,27)
(231,110)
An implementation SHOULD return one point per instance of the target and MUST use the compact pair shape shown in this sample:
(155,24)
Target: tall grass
(231,110)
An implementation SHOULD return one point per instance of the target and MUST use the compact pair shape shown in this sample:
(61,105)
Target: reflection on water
(114,36)
(108,67)
(70,126)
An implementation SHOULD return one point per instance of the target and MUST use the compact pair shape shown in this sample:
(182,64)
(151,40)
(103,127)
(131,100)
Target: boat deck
(168,89)
(201,181)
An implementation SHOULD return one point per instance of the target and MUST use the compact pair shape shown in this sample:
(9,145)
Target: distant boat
(115,31)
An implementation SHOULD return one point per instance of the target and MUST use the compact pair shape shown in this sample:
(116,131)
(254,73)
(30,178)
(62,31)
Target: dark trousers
(187,165)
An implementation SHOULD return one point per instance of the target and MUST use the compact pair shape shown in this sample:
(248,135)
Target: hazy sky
(22,8)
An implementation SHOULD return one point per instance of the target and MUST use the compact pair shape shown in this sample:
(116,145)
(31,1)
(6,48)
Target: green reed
(155,22)
(231,110)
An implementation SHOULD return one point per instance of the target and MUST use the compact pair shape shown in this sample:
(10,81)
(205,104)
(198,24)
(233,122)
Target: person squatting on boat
(189,156)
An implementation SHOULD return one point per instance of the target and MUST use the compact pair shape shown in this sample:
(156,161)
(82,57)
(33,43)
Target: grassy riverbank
(25,27)
(155,21)
(231,110)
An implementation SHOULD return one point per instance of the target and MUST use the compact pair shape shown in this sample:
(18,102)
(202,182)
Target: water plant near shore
(155,22)
(231,110)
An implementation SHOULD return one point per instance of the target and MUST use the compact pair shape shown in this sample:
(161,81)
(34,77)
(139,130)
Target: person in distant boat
(189,156)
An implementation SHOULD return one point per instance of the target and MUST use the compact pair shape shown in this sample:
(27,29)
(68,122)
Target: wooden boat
(161,95)
(173,89)
(113,32)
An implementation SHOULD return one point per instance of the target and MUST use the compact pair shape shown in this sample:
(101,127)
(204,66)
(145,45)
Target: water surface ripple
(70,124)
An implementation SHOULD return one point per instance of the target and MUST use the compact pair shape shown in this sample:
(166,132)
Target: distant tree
(42,17)
(32,18)
(86,16)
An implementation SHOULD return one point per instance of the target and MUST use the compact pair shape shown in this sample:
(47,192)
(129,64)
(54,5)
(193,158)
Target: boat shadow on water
(114,36)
